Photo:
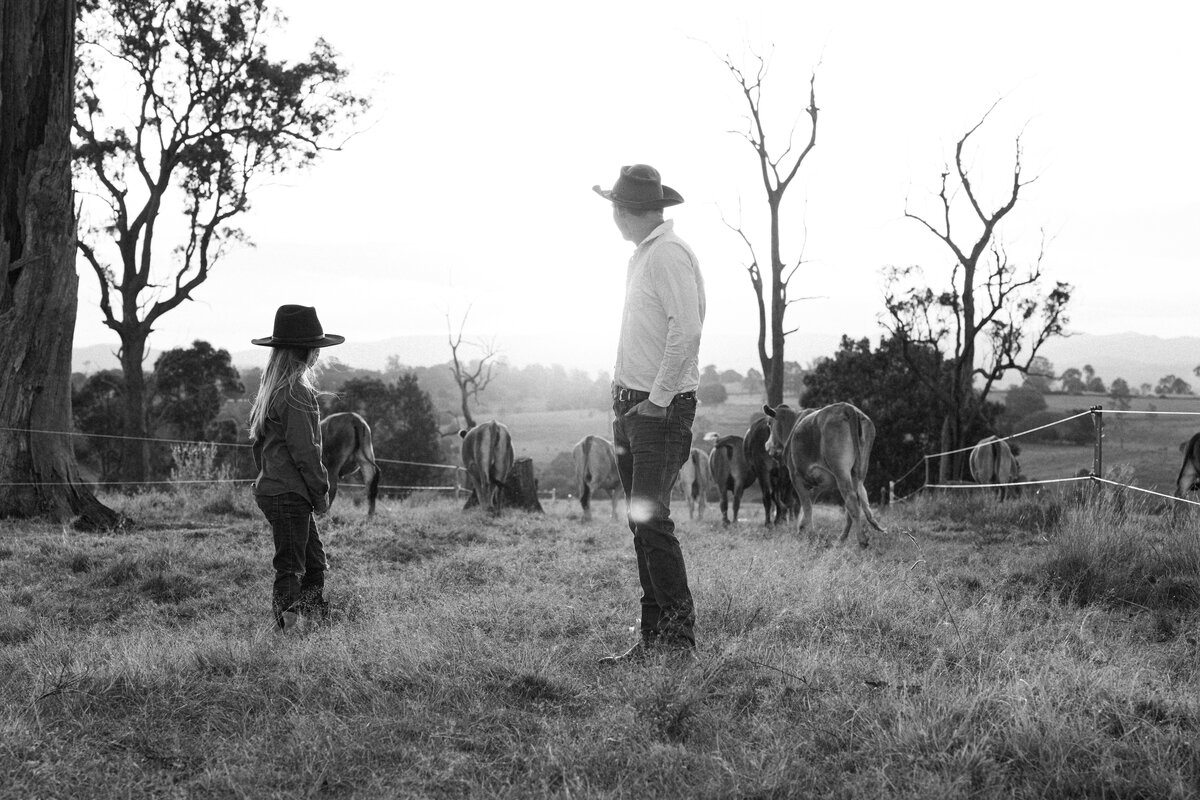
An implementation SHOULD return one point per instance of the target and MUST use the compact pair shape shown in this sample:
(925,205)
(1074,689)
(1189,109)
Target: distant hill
(1133,356)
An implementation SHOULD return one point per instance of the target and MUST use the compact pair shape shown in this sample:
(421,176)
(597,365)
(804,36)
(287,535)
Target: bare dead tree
(993,316)
(474,376)
(39,290)
(776,176)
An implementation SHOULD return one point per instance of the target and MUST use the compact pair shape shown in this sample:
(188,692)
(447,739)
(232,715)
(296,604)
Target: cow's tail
(497,446)
(858,471)
(366,447)
(585,474)
(996,476)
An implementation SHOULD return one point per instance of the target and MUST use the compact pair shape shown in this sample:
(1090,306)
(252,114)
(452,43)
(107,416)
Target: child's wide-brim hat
(298,326)
(640,186)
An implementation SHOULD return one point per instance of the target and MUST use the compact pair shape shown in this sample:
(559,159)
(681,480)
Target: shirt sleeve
(303,438)
(673,273)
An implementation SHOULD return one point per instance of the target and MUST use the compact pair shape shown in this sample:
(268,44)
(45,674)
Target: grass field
(1035,649)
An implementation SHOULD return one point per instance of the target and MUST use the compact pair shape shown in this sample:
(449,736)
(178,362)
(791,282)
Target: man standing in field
(654,400)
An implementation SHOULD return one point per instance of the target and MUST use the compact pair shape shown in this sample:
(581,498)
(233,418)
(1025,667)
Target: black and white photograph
(624,400)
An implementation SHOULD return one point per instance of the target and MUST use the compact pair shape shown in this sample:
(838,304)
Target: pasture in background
(1144,450)
(1030,649)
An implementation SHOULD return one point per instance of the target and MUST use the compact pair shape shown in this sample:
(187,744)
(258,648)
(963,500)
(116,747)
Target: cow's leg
(805,508)
(1188,478)
(585,500)
(614,496)
(737,500)
(333,486)
(481,493)
(725,506)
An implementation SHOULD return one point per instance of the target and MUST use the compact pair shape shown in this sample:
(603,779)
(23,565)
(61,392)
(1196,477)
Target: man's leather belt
(623,395)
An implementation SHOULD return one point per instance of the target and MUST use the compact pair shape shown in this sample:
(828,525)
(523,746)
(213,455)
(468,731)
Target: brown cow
(596,468)
(694,479)
(346,448)
(773,480)
(822,449)
(487,455)
(730,472)
(1189,473)
(992,462)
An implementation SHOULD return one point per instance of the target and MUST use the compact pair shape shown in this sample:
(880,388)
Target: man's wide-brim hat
(298,326)
(640,186)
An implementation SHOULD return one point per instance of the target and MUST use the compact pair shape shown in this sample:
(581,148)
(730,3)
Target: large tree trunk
(38,293)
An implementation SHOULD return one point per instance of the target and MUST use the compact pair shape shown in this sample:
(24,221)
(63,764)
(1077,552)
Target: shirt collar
(667,227)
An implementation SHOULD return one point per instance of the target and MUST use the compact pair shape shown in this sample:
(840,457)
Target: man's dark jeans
(299,556)
(650,452)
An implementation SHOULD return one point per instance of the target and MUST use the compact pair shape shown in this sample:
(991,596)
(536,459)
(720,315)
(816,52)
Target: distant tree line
(1075,381)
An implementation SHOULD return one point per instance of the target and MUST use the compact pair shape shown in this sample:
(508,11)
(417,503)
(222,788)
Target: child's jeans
(299,557)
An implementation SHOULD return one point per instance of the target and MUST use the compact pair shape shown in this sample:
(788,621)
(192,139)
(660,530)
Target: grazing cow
(730,472)
(992,461)
(487,455)
(822,449)
(596,468)
(772,476)
(346,447)
(1189,473)
(694,479)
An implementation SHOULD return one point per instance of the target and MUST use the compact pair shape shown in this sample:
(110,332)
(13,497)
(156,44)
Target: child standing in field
(292,483)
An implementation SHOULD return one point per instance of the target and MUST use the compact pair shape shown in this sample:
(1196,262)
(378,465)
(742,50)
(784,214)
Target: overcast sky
(470,183)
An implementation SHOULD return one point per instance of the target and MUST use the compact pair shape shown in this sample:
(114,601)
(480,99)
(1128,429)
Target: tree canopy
(213,115)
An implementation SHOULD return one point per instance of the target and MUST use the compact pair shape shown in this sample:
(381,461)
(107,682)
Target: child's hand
(321,505)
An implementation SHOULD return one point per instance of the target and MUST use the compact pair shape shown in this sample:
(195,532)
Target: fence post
(1098,451)
(457,486)
(891,493)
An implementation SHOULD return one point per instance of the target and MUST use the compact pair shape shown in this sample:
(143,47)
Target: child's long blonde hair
(286,367)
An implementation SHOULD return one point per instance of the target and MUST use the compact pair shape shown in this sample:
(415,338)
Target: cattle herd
(791,454)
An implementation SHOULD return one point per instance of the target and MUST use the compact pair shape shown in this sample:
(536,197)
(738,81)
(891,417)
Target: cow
(730,472)
(822,449)
(1189,473)
(992,462)
(773,481)
(487,455)
(346,447)
(694,479)
(596,468)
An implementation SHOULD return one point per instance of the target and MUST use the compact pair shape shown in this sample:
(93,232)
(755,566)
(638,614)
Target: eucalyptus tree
(180,113)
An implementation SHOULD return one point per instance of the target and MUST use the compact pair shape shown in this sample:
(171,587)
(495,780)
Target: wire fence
(1095,476)
(458,486)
